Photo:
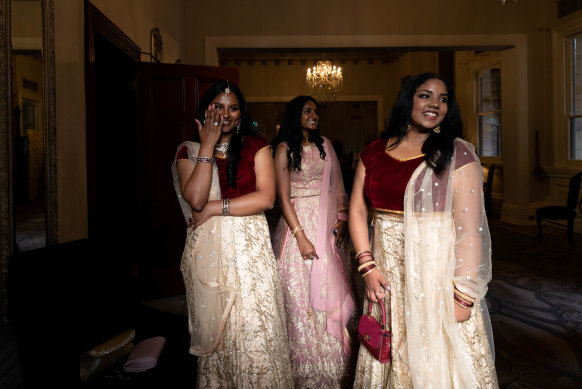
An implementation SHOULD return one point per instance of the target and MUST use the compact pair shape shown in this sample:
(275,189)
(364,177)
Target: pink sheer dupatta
(330,288)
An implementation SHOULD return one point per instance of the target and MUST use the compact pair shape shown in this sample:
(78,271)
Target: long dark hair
(438,148)
(246,125)
(291,132)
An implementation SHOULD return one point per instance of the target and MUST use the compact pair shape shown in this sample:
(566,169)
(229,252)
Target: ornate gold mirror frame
(50,144)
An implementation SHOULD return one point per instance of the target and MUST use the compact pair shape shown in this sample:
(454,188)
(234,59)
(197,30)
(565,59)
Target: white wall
(70,122)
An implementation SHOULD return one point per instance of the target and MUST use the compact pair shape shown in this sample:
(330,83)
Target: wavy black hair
(438,148)
(246,125)
(291,132)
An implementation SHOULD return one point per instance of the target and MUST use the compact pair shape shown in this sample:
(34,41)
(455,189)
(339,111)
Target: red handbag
(374,335)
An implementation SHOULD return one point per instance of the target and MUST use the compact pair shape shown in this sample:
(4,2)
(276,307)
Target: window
(567,93)
(574,111)
(489,111)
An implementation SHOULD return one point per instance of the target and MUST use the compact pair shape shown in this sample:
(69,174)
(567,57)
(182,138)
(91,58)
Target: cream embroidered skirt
(254,351)
(388,248)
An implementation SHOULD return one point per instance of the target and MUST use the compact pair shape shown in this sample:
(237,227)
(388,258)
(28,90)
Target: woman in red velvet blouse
(235,306)
(429,259)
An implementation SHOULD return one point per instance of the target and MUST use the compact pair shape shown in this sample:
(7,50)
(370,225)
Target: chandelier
(324,82)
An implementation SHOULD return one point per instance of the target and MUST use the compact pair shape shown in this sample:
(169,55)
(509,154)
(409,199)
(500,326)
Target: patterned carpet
(535,301)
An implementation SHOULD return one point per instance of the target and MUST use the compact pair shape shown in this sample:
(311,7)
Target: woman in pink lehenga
(310,247)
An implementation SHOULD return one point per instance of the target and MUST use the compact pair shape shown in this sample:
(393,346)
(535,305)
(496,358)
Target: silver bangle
(225,207)
(205,160)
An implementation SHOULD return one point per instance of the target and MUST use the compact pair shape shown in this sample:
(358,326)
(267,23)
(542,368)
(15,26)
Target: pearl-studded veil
(209,300)
(447,243)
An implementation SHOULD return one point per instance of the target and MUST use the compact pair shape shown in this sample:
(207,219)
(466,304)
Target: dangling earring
(408,127)
(437,129)
(237,127)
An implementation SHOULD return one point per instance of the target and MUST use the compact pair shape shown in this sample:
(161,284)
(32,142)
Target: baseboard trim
(526,216)
(515,214)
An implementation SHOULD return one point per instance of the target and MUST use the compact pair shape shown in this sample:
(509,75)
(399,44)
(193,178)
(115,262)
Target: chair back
(488,186)
(574,191)
(490,175)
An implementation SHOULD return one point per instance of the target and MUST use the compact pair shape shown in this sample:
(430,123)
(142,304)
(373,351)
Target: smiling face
(309,116)
(430,105)
(227,106)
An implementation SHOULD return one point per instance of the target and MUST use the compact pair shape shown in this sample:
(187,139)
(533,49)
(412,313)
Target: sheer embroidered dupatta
(209,300)
(330,287)
(446,241)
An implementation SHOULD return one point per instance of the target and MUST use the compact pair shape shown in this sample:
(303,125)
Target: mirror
(27,132)
(28,195)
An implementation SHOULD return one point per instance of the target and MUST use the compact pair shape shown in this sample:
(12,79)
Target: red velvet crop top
(245,172)
(386,176)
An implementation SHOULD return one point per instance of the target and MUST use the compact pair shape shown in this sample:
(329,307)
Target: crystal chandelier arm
(324,81)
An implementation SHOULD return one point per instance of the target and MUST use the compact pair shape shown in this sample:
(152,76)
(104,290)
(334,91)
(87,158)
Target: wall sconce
(156,45)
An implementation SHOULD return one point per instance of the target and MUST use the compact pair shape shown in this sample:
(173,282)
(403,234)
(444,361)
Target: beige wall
(356,18)
(26,25)
(186,26)
(70,109)
(460,24)
(136,18)
(362,81)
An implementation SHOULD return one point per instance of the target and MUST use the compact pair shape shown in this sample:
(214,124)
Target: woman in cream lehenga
(310,248)
(235,306)
(430,257)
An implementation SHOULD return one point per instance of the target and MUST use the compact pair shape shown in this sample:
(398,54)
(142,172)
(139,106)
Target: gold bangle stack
(368,272)
(296,229)
(363,265)
(209,160)
(463,300)
(362,252)
(461,305)
(225,207)
(464,296)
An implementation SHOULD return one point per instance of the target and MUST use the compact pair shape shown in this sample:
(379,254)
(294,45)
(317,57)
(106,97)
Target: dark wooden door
(168,97)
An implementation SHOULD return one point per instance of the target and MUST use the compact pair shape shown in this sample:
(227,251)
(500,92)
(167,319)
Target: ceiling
(308,56)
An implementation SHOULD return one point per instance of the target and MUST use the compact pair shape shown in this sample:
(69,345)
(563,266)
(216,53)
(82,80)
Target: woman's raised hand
(212,128)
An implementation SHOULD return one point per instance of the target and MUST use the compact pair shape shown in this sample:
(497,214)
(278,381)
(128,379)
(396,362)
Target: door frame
(97,22)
